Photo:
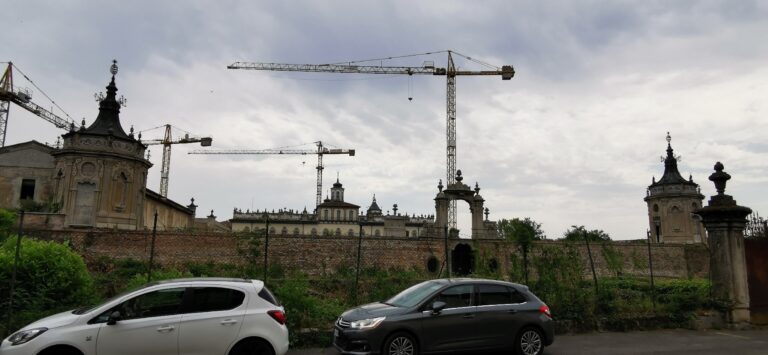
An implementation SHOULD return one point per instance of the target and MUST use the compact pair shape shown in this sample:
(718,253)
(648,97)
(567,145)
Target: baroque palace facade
(334,217)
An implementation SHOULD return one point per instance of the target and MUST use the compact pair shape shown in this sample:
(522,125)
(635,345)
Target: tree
(522,232)
(50,278)
(576,234)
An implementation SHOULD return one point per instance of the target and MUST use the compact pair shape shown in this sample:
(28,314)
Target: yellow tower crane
(167,141)
(23,98)
(320,151)
(428,68)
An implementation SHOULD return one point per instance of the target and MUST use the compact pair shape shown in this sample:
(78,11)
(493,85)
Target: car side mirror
(437,307)
(114,317)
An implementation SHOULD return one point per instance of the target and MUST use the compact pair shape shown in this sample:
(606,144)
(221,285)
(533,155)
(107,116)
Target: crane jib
(506,72)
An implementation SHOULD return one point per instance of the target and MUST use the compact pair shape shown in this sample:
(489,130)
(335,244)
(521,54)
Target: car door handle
(468,316)
(228,322)
(168,328)
(512,311)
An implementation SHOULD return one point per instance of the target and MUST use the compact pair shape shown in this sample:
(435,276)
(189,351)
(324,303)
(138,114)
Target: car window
(456,296)
(494,294)
(210,299)
(153,304)
(517,296)
(268,296)
(498,294)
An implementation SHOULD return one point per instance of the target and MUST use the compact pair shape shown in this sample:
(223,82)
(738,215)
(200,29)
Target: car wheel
(529,341)
(252,347)
(400,344)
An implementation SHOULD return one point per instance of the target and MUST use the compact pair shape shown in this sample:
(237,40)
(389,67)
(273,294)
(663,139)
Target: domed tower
(374,210)
(101,171)
(671,203)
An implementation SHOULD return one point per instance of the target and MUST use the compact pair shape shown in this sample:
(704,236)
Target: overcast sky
(573,139)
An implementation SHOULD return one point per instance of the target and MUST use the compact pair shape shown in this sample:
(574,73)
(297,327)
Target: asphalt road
(675,341)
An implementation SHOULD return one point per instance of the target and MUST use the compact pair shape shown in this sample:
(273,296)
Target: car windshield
(414,294)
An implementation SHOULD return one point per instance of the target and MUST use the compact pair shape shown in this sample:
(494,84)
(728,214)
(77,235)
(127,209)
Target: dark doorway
(462,260)
(756,252)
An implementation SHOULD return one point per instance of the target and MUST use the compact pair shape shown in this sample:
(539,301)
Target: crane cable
(416,55)
(42,92)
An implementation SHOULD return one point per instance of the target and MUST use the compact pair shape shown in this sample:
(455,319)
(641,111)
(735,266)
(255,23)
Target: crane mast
(506,72)
(320,151)
(166,142)
(24,99)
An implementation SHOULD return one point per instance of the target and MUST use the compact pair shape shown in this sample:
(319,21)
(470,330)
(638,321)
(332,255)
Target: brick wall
(317,255)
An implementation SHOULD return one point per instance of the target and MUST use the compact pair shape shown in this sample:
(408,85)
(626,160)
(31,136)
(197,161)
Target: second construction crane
(320,151)
(166,142)
(428,68)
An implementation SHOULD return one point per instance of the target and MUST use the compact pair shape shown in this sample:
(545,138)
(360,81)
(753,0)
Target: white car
(186,316)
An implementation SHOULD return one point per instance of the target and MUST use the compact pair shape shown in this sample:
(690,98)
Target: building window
(407,233)
(655,208)
(272,230)
(338,231)
(314,232)
(351,233)
(338,215)
(27,189)
(351,215)
(377,233)
(284,231)
(296,231)
(325,215)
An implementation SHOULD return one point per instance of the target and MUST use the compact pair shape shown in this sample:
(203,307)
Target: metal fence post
(266,251)
(152,249)
(359,250)
(650,267)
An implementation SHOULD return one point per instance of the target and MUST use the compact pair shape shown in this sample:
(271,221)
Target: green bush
(307,309)
(50,278)
(7,219)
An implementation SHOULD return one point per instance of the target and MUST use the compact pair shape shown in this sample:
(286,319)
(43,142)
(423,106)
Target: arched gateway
(460,191)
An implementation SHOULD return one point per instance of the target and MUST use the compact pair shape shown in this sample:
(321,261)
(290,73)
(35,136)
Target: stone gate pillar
(441,211)
(725,221)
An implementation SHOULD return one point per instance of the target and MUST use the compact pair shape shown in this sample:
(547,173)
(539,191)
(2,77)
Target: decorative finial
(131,132)
(690,177)
(394,209)
(487,212)
(669,138)
(477,188)
(458,176)
(113,67)
(82,123)
(440,185)
(719,177)
(72,126)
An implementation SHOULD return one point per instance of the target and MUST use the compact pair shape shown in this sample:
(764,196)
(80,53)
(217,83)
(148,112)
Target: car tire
(400,343)
(252,347)
(529,341)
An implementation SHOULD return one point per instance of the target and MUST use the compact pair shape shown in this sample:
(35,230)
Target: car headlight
(367,323)
(25,335)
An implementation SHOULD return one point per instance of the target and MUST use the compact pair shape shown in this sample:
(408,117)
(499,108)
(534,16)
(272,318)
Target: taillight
(545,311)
(278,316)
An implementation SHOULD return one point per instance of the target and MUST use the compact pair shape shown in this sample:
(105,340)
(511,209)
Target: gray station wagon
(448,315)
